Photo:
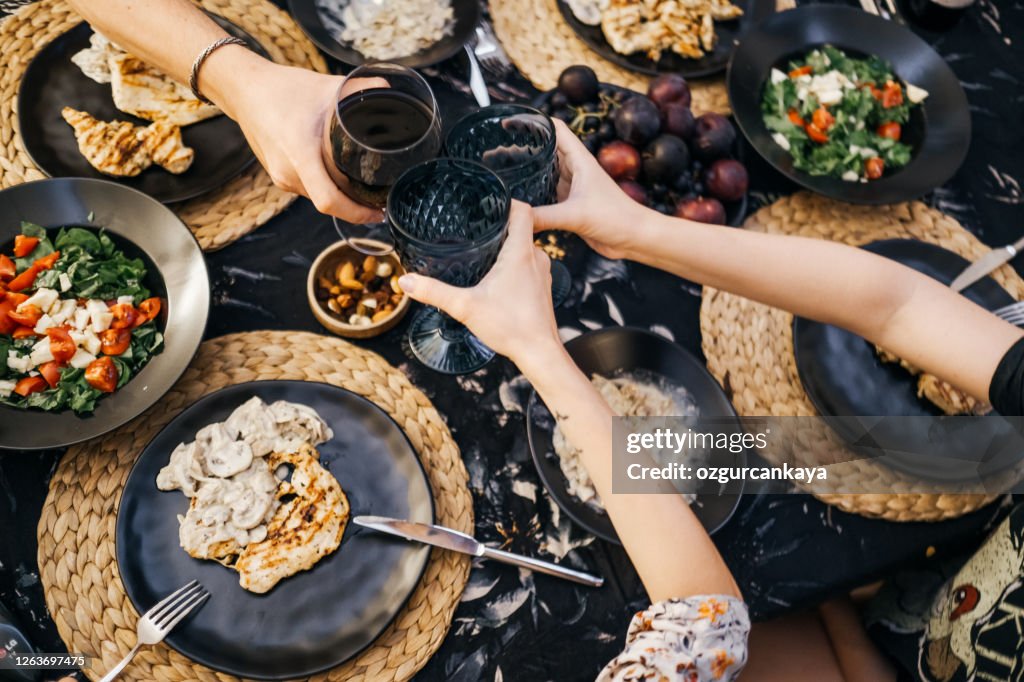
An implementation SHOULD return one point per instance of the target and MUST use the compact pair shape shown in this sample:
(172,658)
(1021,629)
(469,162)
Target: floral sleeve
(698,639)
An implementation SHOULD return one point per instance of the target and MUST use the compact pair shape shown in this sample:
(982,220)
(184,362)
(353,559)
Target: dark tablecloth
(786,551)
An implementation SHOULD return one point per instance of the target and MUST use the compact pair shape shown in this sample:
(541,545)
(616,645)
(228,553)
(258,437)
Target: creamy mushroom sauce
(225,473)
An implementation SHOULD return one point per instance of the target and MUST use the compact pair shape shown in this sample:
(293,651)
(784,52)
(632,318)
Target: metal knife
(986,264)
(446,538)
(477,84)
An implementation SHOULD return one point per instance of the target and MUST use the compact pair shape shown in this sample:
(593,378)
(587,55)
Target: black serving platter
(311,621)
(143,228)
(939,130)
(844,377)
(52,82)
(729,32)
(612,351)
(311,19)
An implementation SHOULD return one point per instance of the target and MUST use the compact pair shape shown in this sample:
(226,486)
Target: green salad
(76,319)
(839,115)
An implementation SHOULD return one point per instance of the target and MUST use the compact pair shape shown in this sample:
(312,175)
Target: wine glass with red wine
(385,121)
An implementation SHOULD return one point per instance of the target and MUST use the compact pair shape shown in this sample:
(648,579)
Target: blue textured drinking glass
(448,219)
(518,143)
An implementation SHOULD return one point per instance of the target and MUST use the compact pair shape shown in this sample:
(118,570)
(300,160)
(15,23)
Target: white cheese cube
(830,96)
(851,176)
(64,312)
(77,336)
(915,94)
(18,363)
(45,322)
(101,321)
(777,76)
(7,387)
(781,140)
(91,342)
(81,359)
(81,318)
(42,299)
(126,299)
(801,94)
(868,153)
(65,281)
(41,353)
(94,305)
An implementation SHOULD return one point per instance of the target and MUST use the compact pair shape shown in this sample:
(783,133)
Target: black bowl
(626,349)
(52,82)
(145,228)
(466,13)
(939,130)
(754,11)
(315,619)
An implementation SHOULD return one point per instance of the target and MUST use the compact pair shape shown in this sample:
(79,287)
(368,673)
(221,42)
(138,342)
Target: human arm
(281,109)
(907,313)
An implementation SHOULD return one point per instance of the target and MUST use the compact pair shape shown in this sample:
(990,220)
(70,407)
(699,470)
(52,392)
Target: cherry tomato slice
(24,245)
(30,385)
(101,374)
(50,372)
(24,333)
(148,310)
(115,341)
(25,279)
(874,167)
(816,134)
(892,96)
(7,268)
(802,71)
(16,298)
(822,119)
(62,346)
(795,118)
(28,316)
(46,262)
(7,325)
(891,130)
(125,316)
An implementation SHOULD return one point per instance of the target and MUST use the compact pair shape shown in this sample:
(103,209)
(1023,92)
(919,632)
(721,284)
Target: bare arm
(510,310)
(281,109)
(896,307)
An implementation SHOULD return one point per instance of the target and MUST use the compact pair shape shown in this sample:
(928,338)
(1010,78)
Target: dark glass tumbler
(518,143)
(448,220)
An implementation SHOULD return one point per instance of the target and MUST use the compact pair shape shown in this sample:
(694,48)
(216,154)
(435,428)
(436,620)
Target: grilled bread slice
(115,148)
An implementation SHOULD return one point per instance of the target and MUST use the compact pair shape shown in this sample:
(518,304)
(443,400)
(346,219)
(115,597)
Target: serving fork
(1013,313)
(156,623)
(490,53)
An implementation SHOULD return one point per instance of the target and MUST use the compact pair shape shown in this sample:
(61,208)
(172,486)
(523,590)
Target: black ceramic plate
(313,620)
(754,11)
(735,211)
(308,15)
(843,376)
(624,349)
(176,272)
(52,82)
(939,130)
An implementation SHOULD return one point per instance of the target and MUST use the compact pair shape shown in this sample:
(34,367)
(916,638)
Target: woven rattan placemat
(84,593)
(541,44)
(217,218)
(749,346)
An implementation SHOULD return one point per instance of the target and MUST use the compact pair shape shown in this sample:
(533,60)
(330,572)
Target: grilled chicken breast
(143,91)
(306,527)
(164,145)
(114,148)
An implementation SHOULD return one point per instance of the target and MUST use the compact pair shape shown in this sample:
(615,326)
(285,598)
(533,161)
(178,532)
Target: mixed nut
(361,294)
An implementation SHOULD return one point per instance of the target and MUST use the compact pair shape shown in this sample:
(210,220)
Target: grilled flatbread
(114,148)
(305,528)
(164,145)
(143,91)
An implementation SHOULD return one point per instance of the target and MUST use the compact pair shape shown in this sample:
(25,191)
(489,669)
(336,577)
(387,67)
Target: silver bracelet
(193,78)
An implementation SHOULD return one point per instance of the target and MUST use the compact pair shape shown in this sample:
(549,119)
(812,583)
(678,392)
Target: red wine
(934,15)
(375,136)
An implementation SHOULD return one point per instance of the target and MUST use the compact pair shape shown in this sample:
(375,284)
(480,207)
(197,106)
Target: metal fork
(1013,313)
(491,55)
(158,621)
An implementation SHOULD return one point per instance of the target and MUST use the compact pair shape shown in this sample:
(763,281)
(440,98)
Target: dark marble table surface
(786,551)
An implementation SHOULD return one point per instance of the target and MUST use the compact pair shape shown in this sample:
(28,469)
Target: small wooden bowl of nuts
(355,295)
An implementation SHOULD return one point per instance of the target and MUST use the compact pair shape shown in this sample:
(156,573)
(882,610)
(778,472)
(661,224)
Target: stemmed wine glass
(448,220)
(518,143)
(386,122)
